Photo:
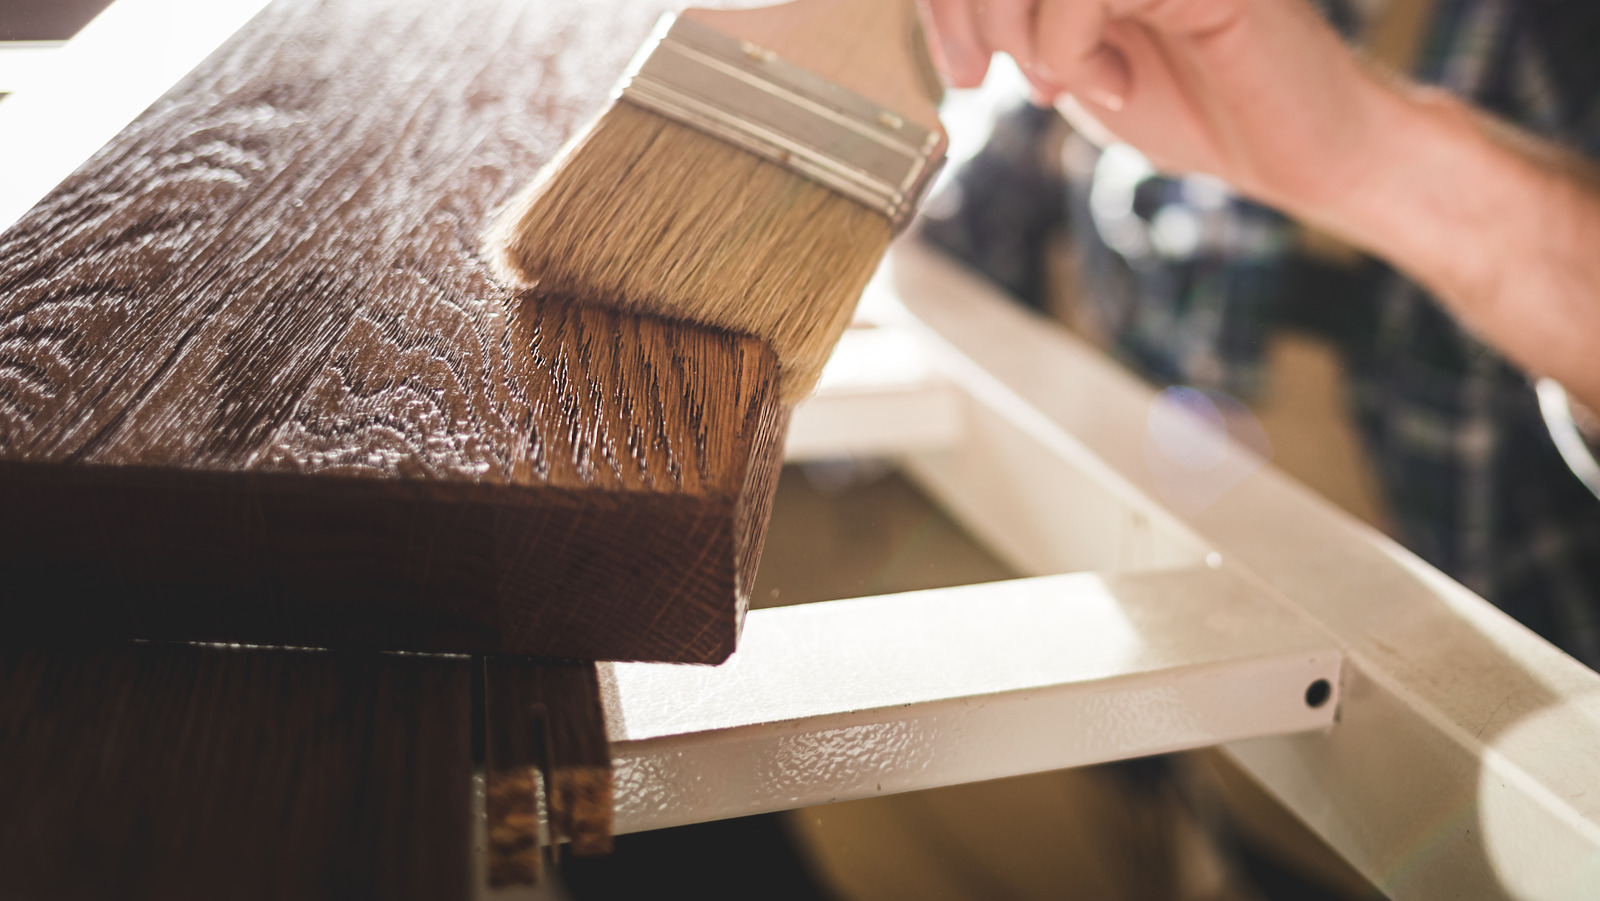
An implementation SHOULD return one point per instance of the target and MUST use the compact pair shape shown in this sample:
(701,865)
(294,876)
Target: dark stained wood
(46,20)
(515,767)
(581,788)
(256,386)
(174,772)
(514,852)
(547,717)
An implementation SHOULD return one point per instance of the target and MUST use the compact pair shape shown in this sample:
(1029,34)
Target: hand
(1261,93)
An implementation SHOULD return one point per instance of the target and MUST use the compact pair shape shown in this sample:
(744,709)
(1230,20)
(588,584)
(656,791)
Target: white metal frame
(1466,761)
(1211,592)
(846,699)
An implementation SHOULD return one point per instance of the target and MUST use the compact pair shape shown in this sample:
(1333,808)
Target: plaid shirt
(1189,282)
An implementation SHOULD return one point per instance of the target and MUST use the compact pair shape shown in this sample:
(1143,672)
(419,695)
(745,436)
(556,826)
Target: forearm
(1264,94)
(1504,229)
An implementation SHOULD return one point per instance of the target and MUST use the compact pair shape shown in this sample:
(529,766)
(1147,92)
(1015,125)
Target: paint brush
(749,174)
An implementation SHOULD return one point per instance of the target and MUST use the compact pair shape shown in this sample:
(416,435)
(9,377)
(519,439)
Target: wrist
(1325,140)
(1417,187)
(1382,134)
(1496,224)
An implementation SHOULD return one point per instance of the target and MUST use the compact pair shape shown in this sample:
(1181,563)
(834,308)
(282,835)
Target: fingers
(966,60)
(1072,53)
(1164,110)
(1007,26)
(1106,79)
(1067,33)
(1057,43)
(970,31)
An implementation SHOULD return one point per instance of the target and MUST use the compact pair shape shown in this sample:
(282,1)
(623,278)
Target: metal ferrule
(753,99)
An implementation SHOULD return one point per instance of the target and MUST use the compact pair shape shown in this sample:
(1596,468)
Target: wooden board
(185,773)
(46,20)
(545,728)
(256,386)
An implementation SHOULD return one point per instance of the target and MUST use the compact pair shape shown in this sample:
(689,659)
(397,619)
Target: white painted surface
(1466,763)
(879,396)
(845,699)
(1021,492)
(22,61)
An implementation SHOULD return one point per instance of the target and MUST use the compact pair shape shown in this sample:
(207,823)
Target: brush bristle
(647,215)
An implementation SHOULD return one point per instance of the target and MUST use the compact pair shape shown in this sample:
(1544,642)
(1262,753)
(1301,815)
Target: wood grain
(547,717)
(513,852)
(255,385)
(175,772)
(46,20)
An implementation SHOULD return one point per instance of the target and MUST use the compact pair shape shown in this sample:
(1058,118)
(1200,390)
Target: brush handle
(875,48)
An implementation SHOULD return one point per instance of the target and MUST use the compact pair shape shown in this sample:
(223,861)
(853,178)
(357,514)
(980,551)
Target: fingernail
(1108,80)
(1106,99)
